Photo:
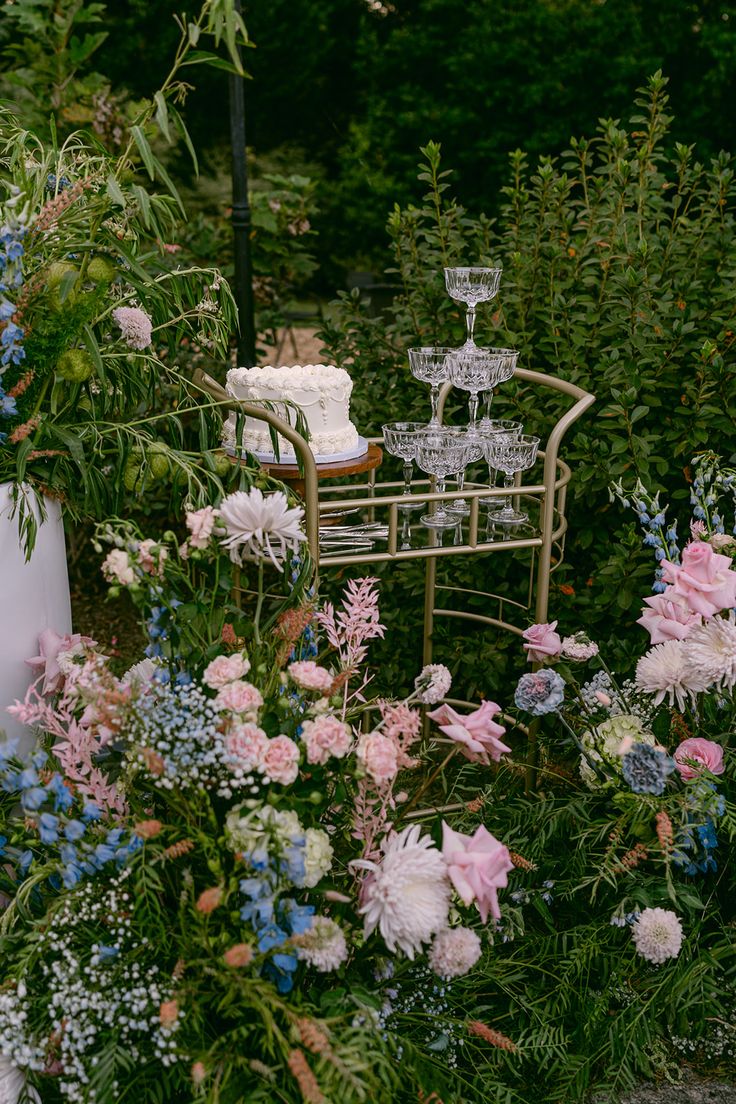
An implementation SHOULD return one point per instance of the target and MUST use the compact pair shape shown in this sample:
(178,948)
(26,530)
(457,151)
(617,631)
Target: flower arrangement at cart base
(211,867)
(229,874)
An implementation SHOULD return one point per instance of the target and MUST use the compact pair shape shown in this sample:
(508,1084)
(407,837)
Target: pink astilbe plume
(355,623)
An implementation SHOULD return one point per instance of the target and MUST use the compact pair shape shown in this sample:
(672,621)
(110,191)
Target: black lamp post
(241,220)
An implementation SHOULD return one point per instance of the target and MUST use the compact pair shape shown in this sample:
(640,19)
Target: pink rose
(669,617)
(697,754)
(543,644)
(51,646)
(378,756)
(247,745)
(200,524)
(477,866)
(281,761)
(310,676)
(224,669)
(239,697)
(151,557)
(704,578)
(477,733)
(326,736)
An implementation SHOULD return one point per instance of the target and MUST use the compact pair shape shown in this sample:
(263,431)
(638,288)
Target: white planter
(33,596)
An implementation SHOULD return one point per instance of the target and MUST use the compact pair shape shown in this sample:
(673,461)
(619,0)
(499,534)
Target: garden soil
(691,1090)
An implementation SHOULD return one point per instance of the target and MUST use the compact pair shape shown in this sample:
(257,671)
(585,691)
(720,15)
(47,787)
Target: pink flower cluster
(225,669)
(54,649)
(702,585)
(310,676)
(200,524)
(324,737)
(477,733)
(250,749)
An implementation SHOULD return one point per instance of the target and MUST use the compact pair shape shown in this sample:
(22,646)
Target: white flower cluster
(657,934)
(433,683)
(92,998)
(178,739)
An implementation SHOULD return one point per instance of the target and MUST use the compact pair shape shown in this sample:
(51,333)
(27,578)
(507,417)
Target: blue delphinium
(274,922)
(646,768)
(540,692)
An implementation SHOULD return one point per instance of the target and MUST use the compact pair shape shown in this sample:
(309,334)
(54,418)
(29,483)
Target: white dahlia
(665,671)
(433,683)
(454,952)
(711,652)
(657,934)
(258,525)
(407,894)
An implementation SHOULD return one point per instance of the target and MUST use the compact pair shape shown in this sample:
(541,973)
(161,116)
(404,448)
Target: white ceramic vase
(34,596)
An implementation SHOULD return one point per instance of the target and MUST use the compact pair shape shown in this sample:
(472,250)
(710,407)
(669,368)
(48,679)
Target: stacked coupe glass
(442,451)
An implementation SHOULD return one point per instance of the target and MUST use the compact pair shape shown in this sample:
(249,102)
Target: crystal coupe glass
(440,453)
(473,451)
(400,439)
(475,370)
(511,456)
(472,286)
(493,429)
(507,359)
(431,365)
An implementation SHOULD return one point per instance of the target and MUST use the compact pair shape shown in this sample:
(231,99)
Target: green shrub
(619,276)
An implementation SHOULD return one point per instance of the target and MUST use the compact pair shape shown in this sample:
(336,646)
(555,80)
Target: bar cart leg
(430,583)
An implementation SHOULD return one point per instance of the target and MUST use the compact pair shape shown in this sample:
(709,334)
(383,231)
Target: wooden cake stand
(289,473)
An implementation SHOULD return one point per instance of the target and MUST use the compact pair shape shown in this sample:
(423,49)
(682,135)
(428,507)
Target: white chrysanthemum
(603,744)
(711,652)
(140,674)
(433,684)
(407,894)
(259,525)
(665,671)
(323,945)
(657,934)
(317,857)
(454,952)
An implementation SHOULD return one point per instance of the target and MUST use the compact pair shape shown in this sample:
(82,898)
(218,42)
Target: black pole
(241,220)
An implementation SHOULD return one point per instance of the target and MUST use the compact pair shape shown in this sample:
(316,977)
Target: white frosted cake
(322,393)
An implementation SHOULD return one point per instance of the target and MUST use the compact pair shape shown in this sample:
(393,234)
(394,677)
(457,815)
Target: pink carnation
(225,669)
(454,952)
(543,644)
(378,756)
(135,325)
(247,745)
(478,867)
(200,524)
(668,617)
(281,761)
(704,578)
(239,697)
(697,754)
(310,676)
(326,736)
(400,722)
(477,733)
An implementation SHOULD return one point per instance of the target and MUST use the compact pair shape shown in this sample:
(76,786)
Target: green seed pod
(132,474)
(75,365)
(158,460)
(101,270)
(55,273)
(223,464)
